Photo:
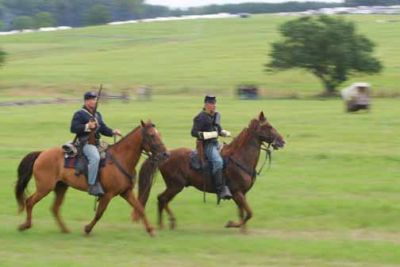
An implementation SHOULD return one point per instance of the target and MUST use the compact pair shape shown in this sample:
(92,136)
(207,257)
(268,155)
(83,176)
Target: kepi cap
(89,95)
(210,99)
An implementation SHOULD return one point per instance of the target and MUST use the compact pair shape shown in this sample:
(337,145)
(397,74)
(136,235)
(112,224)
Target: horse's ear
(261,117)
(142,122)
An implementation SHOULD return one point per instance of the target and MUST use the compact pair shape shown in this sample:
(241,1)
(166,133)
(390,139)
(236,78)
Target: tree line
(290,6)
(30,14)
(33,14)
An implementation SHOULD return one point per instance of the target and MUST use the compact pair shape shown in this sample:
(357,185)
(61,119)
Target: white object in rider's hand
(226,133)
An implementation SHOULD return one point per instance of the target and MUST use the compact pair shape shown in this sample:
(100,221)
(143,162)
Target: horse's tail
(25,170)
(146,177)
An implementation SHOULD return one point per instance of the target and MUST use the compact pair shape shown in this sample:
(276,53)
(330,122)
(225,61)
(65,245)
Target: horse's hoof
(24,226)
(87,229)
(172,225)
(151,231)
(65,231)
(229,224)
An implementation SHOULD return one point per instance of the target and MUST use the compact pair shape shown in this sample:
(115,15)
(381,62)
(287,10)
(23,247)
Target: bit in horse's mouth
(277,144)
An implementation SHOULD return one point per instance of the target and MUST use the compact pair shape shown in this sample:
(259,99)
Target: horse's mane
(123,138)
(240,140)
(147,124)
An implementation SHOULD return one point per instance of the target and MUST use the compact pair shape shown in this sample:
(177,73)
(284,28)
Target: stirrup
(225,194)
(96,190)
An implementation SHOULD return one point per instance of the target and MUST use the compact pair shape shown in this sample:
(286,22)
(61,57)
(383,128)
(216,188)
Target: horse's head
(152,142)
(266,133)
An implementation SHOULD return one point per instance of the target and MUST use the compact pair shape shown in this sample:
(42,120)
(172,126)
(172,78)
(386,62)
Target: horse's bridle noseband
(153,147)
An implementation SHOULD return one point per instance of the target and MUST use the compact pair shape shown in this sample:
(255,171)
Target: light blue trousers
(211,151)
(93,156)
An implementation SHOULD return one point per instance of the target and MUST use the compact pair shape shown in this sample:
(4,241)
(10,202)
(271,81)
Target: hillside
(174,57)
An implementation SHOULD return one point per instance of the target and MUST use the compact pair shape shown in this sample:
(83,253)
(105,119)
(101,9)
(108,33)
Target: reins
(254,173)
(268,155)
(146,138)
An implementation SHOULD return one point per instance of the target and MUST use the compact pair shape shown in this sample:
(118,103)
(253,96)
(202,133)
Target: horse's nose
(278,143)
(282,143)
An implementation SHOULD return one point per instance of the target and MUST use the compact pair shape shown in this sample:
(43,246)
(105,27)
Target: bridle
(153,147)
(265,146)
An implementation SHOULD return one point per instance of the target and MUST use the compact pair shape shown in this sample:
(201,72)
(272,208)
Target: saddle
(75,159)
(197,164)
(198,160)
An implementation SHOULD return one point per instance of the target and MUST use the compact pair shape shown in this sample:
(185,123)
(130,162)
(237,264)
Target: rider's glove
(225,133)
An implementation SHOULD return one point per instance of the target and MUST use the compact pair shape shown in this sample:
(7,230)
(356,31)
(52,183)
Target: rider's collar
(209,113)
(84,108)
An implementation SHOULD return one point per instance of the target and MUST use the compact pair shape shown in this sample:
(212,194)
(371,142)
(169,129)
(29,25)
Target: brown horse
(242,156)
(50,175)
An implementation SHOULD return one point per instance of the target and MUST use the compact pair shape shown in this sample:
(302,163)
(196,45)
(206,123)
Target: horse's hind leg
(172,219)
(103,203)
(163,199)
(30,202)
(131,199)
(60,190)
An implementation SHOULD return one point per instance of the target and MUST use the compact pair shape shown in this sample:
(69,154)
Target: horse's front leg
(245,213)
(232,224)
(103,203)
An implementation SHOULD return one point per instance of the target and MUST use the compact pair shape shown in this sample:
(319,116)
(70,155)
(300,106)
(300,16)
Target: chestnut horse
(241,156)
(50,175)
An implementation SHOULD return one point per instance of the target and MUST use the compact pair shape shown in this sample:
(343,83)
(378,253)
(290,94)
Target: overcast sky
(190,3)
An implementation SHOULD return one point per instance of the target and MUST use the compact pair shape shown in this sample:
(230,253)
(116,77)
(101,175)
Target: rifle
(217,118)
(92,134)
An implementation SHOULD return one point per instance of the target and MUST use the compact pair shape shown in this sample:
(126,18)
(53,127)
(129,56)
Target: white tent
(353,93)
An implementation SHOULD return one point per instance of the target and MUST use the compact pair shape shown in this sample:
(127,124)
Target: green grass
(175,57)
(331,197)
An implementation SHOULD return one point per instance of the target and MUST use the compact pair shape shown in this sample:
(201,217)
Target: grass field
(179,57)
(331,198)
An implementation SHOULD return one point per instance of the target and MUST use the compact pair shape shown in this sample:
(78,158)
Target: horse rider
(85,121)
(207,127)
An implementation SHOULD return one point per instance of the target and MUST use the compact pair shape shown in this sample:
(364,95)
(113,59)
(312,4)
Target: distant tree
(127,9)
(2,57)
(371,2)
(97,14)
(22,22)
(3,10)
(22,7)
(257,8)
(44,19)
(151,11)
(328,47)
(71,12)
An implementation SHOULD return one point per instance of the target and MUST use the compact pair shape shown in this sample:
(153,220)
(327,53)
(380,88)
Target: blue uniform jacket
(81,118)
(205,122)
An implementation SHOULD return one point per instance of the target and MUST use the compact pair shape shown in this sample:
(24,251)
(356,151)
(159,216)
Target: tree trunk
(330,90)
(330,87)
